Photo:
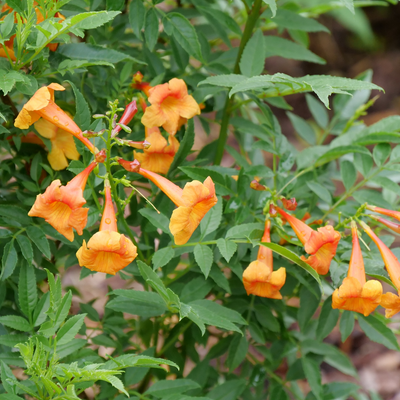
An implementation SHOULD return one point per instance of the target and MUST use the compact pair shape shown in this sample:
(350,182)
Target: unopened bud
(100,157)
(255,185)
(131,166)
(97,116)
(272,210)
(138,77)
(289,204)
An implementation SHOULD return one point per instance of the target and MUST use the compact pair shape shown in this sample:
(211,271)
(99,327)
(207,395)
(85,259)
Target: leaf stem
(248,30)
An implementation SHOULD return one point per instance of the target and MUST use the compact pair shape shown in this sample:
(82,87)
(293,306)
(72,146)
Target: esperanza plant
(226,263)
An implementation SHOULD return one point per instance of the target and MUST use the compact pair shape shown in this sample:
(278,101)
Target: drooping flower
(159,155)
(193,201)
(355,294)
(320,244)
(62,144)
(289,204)
(389,300)
(259,278)
(62,206)
(129,112)
(137,83)
(107,250)
(42,105)
(169,103)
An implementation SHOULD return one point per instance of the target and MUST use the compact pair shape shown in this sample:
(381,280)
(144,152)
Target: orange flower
(61,206)
(289,204)
(389,224)
(384,211)
(259,278)
(62,144)
(170,102)
(159,155)
(42,105)
(107,250)
(355,294)
(139,85)
(193,201)
(320,244)
(389,300)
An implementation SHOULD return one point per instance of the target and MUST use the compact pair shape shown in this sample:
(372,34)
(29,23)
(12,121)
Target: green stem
(174,339)
(248,30)
(251,306)
(115,193)
(294,178)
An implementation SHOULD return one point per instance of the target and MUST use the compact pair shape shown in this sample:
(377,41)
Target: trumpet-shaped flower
(320,244)
(355,294)
(389,300)
(169,103)
(61,206)
(384,211)
(42,105)
(62,144)
(159,155)
(107,250)
(259,278)
(193,201)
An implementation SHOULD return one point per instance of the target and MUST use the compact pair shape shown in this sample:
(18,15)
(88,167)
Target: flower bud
(129,113)
(131,166)
(289,204)
(100,157)
(255,185)
(272,210)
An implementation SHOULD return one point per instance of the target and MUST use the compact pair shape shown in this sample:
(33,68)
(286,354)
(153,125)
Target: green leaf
(39,314)
(253,58)
(8,80)
(154,281)
(137,12)
(227,248)
(266,318)
(91,52)
(134,360)
(12,340)
(70,329)
(283,251)
(204,257)
(27,291)
(272,5)
(294,21)
(348,174)
(346,324)
(26,248)
(184,147)
(134,302)
(277,46)
(212,219)
(378,331)
(237,352)
(82,112)
(381,153)
(196,289)
(160,221)
(303,128)
(185,34)
(229,80)
(151,28)
(381,137)
(162,257)
(308,305)
(9,260)
(187,311)
(243,230)
(15,213)
(318,111)
(38,237)
(327,319)
(230,390)
(339,152)
(16,322)
(313,375)
(91,20)
(320,191)
(64,350)
(7,376)
(168,387)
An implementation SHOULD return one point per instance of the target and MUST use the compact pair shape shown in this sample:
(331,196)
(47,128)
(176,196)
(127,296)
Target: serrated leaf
(204,258)
(151,28)
(237,352)
(26,248)
(227,248)
(160,221)
(27,291)
(340,151)
(322,192)
(303,128)
(39,239)
(253,58)
(9,260)
(162,257)
(348,173)
(137,12)
(70,329)
(168,387)
(82,112)
(212,219)
(16,322)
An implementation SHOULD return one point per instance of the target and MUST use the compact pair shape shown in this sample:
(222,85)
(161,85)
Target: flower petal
(392,304)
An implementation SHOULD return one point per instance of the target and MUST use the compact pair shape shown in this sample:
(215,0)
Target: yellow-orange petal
(352,296)
(57,158)
(302,230)
(155,162)
(107,252)
(46,128)
(321,260)
(260,280)
(391,303)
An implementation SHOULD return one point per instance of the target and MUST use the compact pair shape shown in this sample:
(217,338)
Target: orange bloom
(62,144)
(107,250)
(139,85)
(259,278)
(159,155)
(320,244)
(42,105)
(384,211)
(170,103)
(193,201)
(389,224)
(61,206)
(355,294)
(289,204)
(389,300)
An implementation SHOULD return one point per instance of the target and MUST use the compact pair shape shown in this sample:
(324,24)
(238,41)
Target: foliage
(180,303)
